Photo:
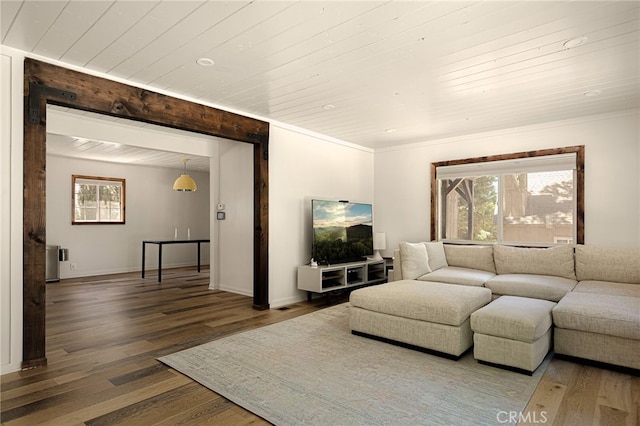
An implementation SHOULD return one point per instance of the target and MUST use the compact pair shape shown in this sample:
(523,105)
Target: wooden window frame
(98,179)
(579,181)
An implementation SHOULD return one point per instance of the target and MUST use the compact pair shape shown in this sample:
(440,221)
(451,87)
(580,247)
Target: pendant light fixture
(185,182)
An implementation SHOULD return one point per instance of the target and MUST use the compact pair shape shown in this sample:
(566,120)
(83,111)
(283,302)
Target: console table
(160,243)
(325,279)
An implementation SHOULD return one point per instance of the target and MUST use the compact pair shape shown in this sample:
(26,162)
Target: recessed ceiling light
(328,107)
(390,130)
(575,42)
(205,62)
(592,92)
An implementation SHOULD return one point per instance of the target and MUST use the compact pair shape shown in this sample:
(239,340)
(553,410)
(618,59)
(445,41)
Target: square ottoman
(429,316)
(513,332)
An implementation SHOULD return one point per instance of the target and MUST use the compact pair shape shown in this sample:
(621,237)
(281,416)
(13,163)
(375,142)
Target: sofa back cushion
(470,256)
(556,261)
(618,265)
(414,260)
(436,254)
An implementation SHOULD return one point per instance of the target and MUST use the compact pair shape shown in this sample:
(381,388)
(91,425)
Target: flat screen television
(342,231)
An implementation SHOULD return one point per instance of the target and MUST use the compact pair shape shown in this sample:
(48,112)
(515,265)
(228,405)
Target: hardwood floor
(105,333)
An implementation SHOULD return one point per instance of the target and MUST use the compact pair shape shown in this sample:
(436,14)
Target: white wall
(153,211)
(612,179)
(5,202)
(302,167)
(235,232)
(11,76)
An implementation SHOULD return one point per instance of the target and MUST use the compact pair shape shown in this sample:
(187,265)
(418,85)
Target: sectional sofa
(585,298)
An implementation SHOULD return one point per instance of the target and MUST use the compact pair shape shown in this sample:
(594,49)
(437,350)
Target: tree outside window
(469,207)
(98,200)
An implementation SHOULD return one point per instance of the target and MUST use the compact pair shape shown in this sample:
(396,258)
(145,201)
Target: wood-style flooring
(105,333)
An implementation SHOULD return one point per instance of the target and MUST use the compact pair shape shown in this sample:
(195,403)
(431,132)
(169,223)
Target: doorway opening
(50,84)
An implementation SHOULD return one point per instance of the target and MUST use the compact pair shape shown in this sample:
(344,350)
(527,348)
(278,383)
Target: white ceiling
(67,144)
(374,73)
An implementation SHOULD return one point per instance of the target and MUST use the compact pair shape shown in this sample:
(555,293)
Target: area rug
(311,370)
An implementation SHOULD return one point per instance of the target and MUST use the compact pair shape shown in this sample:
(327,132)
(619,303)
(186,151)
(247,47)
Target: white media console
(323,279)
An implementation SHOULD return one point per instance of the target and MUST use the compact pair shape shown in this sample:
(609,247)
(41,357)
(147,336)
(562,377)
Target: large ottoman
(429,316)
(513,332)
(599,327)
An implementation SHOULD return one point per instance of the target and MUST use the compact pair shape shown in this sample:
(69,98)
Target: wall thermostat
(220,215)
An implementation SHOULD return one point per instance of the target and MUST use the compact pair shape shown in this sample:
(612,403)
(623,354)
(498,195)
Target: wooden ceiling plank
(330,47)
(147,29)
(598,57)
(31,23)
(605,62)
(347,54)
(76,19)
(201,19)
(396,63)
(161,72)
(8,13)
(551,41)
(115,21)
(250,50)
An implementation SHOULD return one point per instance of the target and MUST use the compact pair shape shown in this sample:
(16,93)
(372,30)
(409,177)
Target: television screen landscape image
(342,231)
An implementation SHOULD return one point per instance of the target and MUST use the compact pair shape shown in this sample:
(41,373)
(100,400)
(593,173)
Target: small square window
(97,200)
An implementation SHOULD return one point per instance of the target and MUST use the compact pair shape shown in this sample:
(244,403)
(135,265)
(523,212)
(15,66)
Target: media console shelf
(323,279)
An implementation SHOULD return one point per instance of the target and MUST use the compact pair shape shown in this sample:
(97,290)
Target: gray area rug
(311,370)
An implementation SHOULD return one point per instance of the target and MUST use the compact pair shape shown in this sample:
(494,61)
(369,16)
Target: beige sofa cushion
(515,318)
(556,261)
(456,275)
(606,287)
(436,254)
(470,256)
(599,313)
(607,264)
(414,260)
(528,285)
(433,302)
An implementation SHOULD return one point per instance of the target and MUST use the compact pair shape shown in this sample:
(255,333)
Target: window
(97,200)
(525,198)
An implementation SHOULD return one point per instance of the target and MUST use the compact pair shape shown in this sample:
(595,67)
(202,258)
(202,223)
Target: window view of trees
(98,200)
(534,208)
